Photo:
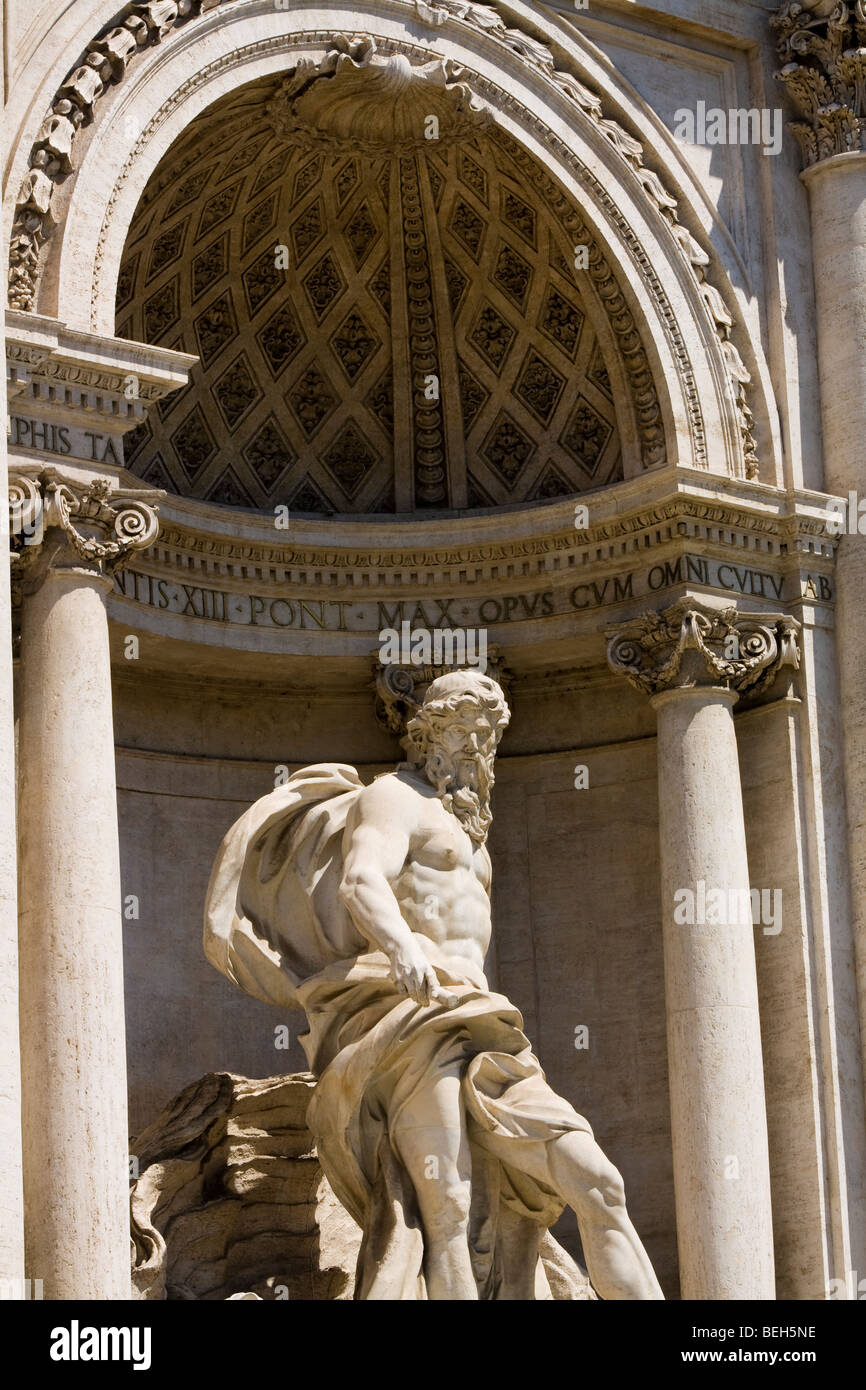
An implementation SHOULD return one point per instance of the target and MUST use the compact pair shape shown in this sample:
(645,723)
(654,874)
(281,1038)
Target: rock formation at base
(230,1201)
(230,1198)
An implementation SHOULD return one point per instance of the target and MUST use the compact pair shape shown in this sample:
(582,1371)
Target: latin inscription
(62,440)
(335,615)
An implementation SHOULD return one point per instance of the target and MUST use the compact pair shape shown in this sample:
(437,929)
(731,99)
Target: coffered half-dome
(382,292)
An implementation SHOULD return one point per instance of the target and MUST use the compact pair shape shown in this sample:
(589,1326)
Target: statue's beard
(470,806)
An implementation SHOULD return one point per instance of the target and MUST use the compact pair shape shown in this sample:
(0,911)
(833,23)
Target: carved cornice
(95,381)
(822,44)
(620,538)
(141,25)
(57,520)
(694,644)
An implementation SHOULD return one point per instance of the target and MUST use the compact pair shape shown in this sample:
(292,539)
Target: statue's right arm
(376,846)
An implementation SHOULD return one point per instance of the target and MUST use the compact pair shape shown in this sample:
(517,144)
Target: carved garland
(728,648)
(106,61)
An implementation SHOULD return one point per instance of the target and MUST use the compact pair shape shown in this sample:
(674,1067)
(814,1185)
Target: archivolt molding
(144,25)
(647,409)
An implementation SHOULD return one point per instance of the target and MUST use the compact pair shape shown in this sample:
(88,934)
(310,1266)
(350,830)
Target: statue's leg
(618,1265)
(429,1135)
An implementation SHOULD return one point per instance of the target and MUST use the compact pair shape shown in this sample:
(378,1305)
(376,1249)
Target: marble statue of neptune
(369,908)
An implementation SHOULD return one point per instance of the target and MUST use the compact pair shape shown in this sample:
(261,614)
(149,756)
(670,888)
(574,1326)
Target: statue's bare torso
(443,887)
(441,883)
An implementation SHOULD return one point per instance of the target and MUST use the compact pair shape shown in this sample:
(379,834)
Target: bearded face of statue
(459,765)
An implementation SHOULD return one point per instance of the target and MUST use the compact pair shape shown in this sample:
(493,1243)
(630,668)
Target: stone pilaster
(694,661)
(12,1271)
(68,539)
(822,44)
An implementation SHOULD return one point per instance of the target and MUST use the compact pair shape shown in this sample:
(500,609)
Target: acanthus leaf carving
(822,45)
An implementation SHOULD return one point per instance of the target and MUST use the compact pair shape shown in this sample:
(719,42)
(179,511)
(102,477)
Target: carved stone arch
(649,268)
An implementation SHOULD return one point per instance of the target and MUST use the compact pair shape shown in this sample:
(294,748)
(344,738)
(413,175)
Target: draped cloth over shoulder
(275,926)
(273,917)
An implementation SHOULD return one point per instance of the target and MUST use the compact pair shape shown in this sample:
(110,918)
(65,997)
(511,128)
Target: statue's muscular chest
(439,842)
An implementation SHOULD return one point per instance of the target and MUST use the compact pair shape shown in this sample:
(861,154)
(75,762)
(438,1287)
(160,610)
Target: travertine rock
(230,1198)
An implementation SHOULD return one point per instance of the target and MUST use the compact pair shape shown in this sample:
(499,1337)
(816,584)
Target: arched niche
(664,294)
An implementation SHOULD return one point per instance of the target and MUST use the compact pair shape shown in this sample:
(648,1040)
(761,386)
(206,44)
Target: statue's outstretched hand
(412,973)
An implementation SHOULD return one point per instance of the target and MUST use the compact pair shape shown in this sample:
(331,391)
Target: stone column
(71,964)
(823,49)
(11,1192)
(693,660)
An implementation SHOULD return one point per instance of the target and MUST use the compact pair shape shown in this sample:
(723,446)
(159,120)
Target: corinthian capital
(57,520)
(691,644)
(822,44)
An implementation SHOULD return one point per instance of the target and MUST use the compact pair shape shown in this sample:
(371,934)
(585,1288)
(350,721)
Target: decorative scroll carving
(360,100)
(400,689)
(822,44)
(100,527)
(691,644)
